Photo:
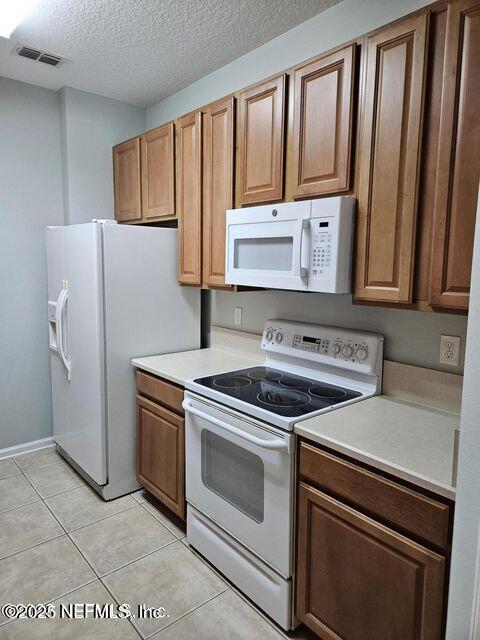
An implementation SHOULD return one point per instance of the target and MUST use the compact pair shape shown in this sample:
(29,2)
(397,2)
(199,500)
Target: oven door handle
(276,445)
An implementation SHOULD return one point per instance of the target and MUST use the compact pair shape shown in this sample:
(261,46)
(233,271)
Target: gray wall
(55,168)
(465,570)
(411,337)
(30,199)
(91,125)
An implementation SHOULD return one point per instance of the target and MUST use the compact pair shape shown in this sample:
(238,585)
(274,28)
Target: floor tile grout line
(53,495)
(236,590)
(25,504)
(117,601)
(168,544)
(259,612)
(62,595)
(32,546)
(84,526)
(158,520)
(184,615)
(60,462)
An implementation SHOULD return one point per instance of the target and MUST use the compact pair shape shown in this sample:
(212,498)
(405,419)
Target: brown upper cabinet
(260,142)
(189,197)
(126,176)
(458,165)
(323,114)
(389,160)
(158,173)
(417,165)
(144,177)
(218,181)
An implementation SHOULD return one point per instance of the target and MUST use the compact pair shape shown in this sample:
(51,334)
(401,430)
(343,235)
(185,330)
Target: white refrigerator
(112,295)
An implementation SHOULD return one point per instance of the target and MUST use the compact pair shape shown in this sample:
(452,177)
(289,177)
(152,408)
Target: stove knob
(347,351)
(279,337)
(361,353)
(269,335)
(337,347)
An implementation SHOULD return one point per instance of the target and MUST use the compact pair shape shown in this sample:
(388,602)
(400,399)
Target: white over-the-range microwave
(304,246)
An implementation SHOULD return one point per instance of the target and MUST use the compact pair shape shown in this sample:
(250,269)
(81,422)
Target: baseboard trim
(27,447)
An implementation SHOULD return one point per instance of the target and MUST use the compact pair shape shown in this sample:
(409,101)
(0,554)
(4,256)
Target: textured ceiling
(141,51)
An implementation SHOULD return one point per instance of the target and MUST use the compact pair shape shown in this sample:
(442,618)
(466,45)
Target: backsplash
(411,337)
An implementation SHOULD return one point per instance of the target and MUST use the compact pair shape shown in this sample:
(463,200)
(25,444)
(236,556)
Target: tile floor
(61,543)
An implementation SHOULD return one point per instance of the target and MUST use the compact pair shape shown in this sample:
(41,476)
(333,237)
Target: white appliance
(240,450)
(112,295)
(305,246)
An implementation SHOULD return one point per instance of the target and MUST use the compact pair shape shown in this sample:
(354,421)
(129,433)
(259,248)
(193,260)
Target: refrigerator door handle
(61,302)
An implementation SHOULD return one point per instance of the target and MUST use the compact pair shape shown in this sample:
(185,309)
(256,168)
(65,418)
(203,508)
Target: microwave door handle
(305,248)
(276,445)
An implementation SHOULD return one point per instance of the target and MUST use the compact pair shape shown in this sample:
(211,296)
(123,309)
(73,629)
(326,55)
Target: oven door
(268,246)
(239,473)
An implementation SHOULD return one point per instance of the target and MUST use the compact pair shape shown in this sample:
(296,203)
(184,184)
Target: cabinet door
(359,580)
(126,176)
(261,124)
(458,166)
(218,196)
(161,454)
(324,94)
(189,197)
(390,144)
(158,172)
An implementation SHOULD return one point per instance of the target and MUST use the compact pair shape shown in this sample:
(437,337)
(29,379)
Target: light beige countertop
(408,440)
(178,367)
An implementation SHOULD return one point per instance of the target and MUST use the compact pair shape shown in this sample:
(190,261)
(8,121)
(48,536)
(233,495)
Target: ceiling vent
(38,56)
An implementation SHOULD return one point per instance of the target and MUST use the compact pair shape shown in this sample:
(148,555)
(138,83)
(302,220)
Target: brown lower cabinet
(161,441)
(359,578)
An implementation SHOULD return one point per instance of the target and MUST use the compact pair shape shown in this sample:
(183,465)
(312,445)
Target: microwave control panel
(322,246)
(331,233)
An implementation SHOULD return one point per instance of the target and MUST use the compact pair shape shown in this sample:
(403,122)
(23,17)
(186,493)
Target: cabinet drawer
(399,506)
(162,391)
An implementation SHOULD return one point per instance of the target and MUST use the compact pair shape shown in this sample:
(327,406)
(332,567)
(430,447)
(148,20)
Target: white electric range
(240,449)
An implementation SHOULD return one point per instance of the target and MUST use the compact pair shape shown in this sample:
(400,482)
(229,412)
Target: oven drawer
(271,592)
(397,505)
(161,391)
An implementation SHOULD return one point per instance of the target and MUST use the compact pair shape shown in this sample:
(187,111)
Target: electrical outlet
(450,350)
(237,315)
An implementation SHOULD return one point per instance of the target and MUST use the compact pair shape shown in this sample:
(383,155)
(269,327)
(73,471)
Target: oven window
(264,254)
(233,473)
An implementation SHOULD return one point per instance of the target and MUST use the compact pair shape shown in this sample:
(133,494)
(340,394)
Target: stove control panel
(344,348)
(319,345)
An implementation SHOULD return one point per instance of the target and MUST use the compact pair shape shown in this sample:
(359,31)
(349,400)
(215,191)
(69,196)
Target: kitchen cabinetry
(126,175)
(458,165)
(218,180)
(389,160)
(144,177)
(189,197)
(416,162)
(260,142)
(161,441)
(158,173)
(323,115)
(371,553)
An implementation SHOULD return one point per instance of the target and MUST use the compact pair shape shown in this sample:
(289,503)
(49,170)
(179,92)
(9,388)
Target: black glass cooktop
(277,391)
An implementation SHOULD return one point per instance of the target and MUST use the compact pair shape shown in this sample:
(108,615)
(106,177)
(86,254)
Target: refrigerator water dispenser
(52,325)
